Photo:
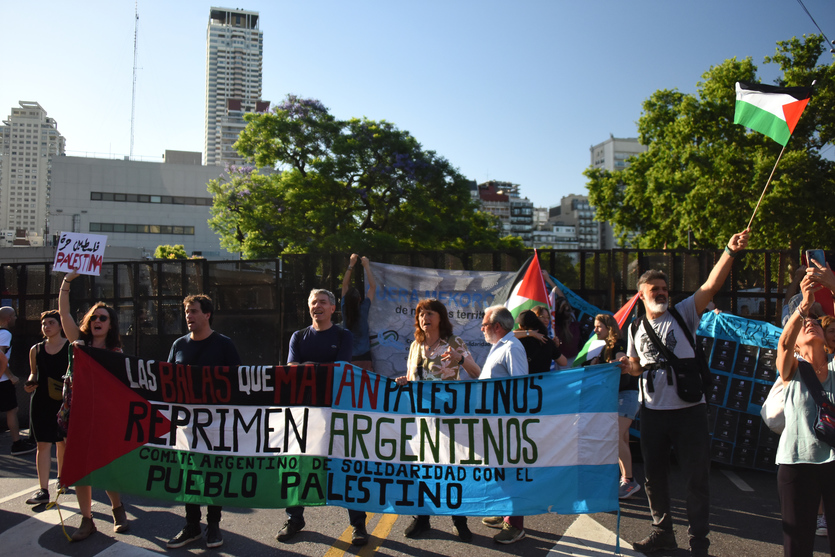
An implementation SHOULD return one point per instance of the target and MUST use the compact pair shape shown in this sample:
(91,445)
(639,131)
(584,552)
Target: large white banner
(465,294)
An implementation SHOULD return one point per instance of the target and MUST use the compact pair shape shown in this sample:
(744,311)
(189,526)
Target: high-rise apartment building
(28,142)
(613,155)
(234,59)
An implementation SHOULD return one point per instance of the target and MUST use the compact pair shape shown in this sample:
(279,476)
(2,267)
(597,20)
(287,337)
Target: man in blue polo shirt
(321,343)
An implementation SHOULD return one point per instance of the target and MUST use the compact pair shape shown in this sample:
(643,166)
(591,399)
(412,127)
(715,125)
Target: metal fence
(260,303)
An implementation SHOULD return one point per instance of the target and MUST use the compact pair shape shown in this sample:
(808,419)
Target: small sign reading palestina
(82,253)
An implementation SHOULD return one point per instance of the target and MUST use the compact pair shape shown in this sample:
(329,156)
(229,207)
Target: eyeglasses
(815,322)
(96,317)
(483,325)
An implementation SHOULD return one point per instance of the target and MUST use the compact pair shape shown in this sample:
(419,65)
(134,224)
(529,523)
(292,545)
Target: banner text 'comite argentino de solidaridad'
(277,436)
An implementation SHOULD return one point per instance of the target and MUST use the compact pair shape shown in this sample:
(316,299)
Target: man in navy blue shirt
(202,346)
(321,343)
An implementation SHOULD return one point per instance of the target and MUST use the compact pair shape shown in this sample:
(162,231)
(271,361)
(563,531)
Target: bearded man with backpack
(661,349)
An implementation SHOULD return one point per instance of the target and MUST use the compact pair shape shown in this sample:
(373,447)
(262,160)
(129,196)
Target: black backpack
(693,378)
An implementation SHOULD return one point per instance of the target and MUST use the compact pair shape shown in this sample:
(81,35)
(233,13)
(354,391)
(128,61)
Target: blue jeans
(685,430)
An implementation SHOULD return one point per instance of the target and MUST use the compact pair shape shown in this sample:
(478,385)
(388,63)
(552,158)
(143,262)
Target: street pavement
(745,522)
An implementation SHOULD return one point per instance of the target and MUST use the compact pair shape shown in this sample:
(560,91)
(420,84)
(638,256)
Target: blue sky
(515,90)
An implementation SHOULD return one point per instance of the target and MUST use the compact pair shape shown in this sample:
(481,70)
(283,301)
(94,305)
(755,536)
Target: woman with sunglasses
(99,329)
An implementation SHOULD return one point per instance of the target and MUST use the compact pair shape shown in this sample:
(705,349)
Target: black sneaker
(22,446)
(461,530)
(418,526)
(213,536)
(187,535)
(359,535)
(290,529)
(658,540)
(39,498)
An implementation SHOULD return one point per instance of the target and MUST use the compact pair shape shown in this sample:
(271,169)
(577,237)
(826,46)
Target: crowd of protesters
(645,353)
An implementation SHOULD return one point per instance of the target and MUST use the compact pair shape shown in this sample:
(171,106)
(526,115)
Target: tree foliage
(353,186)
(166,251)
(704,174)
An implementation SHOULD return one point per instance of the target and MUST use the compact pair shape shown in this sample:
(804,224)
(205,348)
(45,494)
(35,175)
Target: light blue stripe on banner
(472,491)
(588,389)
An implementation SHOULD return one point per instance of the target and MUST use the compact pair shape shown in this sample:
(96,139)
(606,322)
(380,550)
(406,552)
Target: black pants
(686,431)
(193,513)
(801,487)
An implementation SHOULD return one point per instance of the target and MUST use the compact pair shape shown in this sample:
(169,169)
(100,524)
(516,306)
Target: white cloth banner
(391,319)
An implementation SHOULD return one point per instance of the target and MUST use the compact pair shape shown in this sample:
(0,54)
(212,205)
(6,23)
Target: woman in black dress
(48,362)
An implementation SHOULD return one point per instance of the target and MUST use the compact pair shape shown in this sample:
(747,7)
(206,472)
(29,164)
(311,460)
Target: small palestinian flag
(594,346)
(528,289)
(770,110)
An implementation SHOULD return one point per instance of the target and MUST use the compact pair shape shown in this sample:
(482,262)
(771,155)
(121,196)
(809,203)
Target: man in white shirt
(667,421)
(507,358)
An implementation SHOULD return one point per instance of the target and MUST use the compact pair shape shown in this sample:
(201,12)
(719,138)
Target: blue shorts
(628,404)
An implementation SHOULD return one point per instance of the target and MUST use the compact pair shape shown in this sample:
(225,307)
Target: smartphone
(30,383)
(817,256)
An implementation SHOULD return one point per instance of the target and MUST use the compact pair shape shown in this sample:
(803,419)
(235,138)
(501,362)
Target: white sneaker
(821,529)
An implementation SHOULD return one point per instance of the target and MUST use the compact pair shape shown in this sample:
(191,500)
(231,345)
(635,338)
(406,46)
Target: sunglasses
(96,317)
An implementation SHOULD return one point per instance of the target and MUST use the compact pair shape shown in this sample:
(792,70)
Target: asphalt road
(745,522)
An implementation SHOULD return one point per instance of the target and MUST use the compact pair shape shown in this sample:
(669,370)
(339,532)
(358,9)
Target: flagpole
(766,186)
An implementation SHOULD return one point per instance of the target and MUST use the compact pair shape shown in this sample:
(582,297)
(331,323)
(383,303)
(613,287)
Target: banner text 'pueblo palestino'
(277,436)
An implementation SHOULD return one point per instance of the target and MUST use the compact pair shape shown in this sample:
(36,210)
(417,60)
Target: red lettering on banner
(221,378)
(308,381)
(365,383)
(182,383)
(207,387)
(166,381)
(347,382)
(285,376)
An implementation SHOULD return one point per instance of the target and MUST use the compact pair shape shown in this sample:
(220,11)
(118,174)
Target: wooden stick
(766,186)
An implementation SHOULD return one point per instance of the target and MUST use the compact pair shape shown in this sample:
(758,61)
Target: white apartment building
(234,59)
(138,204)
(29,143)
(613,155)
(575,214)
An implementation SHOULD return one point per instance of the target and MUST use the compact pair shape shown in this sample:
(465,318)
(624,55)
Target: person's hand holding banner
(83,253)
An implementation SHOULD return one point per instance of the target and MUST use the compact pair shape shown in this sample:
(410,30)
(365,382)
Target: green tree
(353,186)
(704,174)
(166,251)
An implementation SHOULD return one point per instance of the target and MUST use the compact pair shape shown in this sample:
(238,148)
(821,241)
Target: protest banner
(391,319)
(277,436)
(741,354)
(83,253)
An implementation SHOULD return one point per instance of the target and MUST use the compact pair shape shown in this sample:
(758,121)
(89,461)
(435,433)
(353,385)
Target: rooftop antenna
(133,95)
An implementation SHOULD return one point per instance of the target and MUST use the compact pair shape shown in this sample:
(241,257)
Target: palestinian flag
(594,346)
(770,110)
(528,290)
